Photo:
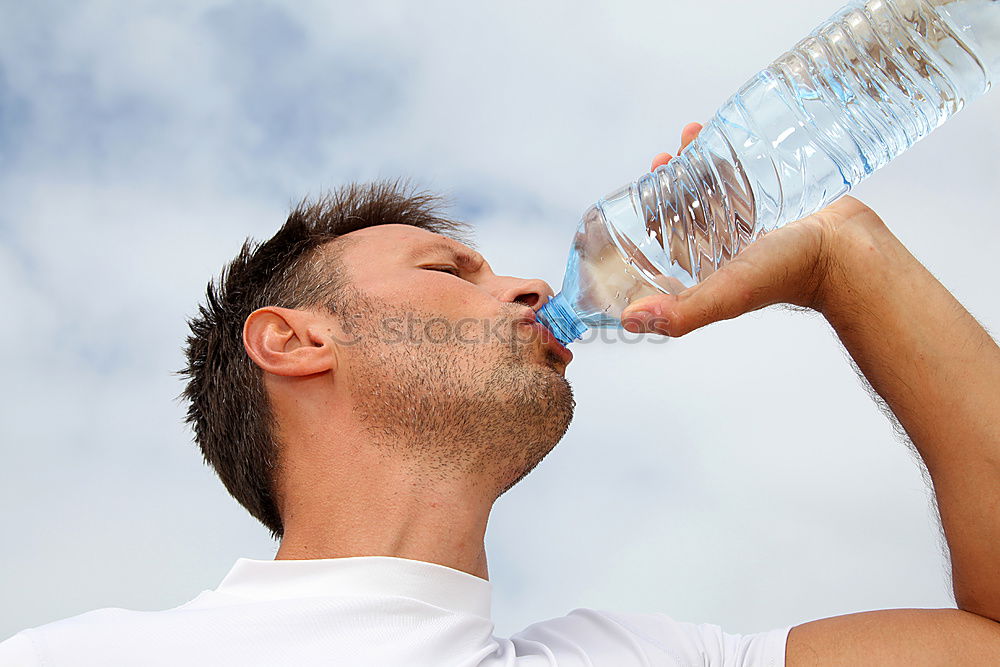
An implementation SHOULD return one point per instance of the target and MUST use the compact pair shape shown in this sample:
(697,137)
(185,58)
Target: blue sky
(739,476)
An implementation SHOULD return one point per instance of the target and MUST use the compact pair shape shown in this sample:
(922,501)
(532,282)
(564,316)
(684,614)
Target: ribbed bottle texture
(861,89)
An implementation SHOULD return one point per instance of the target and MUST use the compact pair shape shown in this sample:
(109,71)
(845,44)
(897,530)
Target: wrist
(858,250)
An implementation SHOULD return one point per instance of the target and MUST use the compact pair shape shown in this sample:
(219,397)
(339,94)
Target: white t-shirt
(371,611)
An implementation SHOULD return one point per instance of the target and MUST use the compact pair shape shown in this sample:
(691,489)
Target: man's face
(442,352)
(449,292)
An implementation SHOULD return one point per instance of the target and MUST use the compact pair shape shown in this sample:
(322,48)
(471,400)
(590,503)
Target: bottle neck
(560,318)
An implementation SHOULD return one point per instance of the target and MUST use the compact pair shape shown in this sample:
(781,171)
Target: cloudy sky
(740,475)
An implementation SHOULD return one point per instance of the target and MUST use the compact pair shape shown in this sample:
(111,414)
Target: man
(366,386)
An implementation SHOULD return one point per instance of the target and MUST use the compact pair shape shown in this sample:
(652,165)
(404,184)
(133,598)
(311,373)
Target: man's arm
(896,638)
(939,372)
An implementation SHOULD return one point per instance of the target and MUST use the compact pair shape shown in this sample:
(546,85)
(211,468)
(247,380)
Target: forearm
(939,372)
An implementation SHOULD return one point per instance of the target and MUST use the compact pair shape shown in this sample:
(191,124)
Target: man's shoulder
(655,638)
(84,622)
(28,647)
(86,632)
(20,651)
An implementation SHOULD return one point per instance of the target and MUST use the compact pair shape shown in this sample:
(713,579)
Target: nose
(531,292)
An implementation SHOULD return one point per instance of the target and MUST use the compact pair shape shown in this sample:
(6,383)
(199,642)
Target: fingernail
(656,321)
(635,322)
(638,321)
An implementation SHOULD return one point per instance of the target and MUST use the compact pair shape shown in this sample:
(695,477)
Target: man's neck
(381,517)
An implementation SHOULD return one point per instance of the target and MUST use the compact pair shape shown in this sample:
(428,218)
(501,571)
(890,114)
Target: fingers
(688,135)
(723,295)
(661,159)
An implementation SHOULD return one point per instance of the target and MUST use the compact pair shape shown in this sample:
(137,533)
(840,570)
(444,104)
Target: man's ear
(287,342)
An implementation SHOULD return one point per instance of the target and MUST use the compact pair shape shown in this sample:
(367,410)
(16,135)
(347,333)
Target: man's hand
(792,264)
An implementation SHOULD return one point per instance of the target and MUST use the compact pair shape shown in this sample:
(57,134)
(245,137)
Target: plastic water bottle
(862,88)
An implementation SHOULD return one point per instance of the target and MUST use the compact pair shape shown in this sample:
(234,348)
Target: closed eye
(444,269)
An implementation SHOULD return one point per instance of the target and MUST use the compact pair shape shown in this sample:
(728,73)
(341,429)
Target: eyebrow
(464,258)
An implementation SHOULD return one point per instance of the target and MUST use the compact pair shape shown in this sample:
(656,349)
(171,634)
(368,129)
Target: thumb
(722,296)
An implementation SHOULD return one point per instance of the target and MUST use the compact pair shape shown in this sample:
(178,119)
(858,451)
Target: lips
(548,340)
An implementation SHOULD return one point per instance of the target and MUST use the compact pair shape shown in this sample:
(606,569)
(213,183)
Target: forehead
(398,242)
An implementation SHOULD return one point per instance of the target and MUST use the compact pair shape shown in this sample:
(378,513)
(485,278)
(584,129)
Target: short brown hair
(229,409)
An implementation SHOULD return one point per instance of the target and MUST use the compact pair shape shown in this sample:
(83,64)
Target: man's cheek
(467,331)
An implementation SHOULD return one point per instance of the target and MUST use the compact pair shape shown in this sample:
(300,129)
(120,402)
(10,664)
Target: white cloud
(739,476)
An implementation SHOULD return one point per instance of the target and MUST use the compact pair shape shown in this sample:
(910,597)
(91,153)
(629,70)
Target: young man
(367,387)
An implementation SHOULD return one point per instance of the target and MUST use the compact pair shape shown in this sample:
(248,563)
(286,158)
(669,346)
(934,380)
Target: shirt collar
(434,584)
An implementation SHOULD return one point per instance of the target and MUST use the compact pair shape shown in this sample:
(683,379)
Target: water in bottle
(862,88)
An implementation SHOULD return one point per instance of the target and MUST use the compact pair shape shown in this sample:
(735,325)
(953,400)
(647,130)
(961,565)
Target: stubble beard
(485,412)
